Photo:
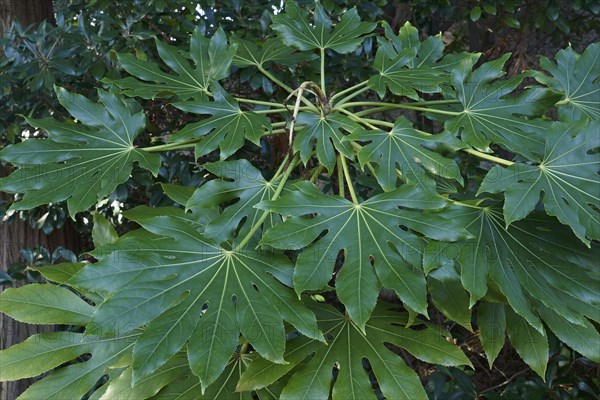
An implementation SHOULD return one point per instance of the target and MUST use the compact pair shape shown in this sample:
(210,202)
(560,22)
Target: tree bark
(18,234)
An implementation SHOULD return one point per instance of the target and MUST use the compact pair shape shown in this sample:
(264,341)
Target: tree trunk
(25,11)
(18,234)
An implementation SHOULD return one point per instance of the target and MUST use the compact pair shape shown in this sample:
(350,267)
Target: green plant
(268,284)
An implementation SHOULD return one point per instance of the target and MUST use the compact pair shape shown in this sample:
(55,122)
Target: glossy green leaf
(491,320)
(43,352)
(211,61)
(406,65)
(531,344)
(449,296)
(575,76)
(187,289)
(326,134)
(103,232)
(493,113)
(295,29)
(406,148)
(376,251)
(239,181)
(567,175)
(262,54)
(227,128)
(347,346)
(80,163)
(45,304)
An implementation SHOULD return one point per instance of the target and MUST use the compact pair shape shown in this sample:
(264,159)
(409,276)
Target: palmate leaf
(262,54)
(227,128)
(376,250)
(240,181)
(187,289)
(326,134)
(347,348)
(295,29)
(567,175)
(493,113)
(80,163)
(526,263)
(211,58)
(406,148)
(575,76)
(407,65)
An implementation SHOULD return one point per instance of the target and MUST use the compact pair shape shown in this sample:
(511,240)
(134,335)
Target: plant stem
(353,95)
(488,157)
(274,79)
(323,72)
(316,173)
(340,173)
(343,92)
(278,191)
(357,119)
(405,106)
(348,180)
(172,146)
(259,102)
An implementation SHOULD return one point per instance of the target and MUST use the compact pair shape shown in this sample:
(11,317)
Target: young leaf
(493,113)
(575,76)
(227,128)
(212,60)
(80,163)
(324,131)
(348,345)
(376,250)
(567,175)
(406,148)
(296,30)
(186,288)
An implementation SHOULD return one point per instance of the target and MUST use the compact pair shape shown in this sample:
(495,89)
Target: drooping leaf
(240,181)
(526,263)
(211,58)
(491,112)
(531,344)
(575,76)
(43,352)
(45,304)
(82,162)
(347,347)
(491,320)
(406,148)
(295,29)
(227,128)
(376,250)
(567,175)
(187,289)
(406,65)
(449,296)
(103,232)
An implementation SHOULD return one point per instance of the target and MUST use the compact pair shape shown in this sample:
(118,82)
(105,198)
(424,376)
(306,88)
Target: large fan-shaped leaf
(493,113)
(575,76)
(347,348)
(240,181)
(227,128)
(186,288)
(262,54)
(567,175)
(375,248)
(79,162)
(212,59)
(406,148)
(296,30)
